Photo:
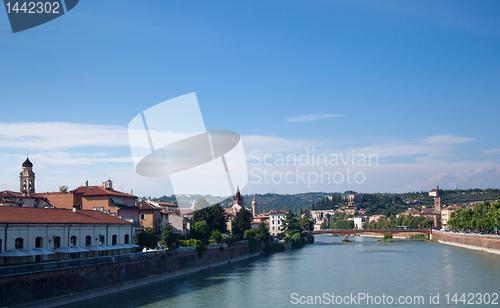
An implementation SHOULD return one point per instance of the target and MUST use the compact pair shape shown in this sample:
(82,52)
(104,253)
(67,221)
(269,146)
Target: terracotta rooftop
(143,205)
(166,204)
(278,212)
(100,191)
(15,194)
(34,215)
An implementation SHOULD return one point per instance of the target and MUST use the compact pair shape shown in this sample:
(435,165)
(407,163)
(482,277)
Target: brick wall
(483,241)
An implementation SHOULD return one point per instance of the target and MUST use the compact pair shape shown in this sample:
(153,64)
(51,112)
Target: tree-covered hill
(374,203)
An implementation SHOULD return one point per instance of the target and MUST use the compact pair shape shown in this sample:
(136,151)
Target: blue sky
(415,82)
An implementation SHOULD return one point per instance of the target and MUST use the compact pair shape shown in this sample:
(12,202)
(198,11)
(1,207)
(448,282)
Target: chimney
(75,208)
(131,191)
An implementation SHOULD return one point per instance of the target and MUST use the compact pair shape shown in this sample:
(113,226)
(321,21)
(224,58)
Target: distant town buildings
(376,218)
(358,222)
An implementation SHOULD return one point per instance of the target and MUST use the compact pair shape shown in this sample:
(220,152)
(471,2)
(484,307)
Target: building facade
(56,234)
(276,221)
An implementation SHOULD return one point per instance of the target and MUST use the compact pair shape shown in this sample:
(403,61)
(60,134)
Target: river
(404,271)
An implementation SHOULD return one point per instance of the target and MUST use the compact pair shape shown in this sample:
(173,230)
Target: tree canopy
(242,221)
(482,217)
(169,238)
(290,224)
(214,216)
(147,238)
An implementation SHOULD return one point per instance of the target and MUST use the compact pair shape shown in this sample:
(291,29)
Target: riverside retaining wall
(38,282)
(480,241)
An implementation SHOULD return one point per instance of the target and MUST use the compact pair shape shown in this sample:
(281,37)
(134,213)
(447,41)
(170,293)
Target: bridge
(371,231)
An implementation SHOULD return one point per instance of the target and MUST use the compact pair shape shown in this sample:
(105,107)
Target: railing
(48,266)
(486,236)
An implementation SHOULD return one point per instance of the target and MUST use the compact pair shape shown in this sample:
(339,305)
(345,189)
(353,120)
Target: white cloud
(445,139)
(313,117)
(49,136)
(495,151)
(439,145)
(70,153)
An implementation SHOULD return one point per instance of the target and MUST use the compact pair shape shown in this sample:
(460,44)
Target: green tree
(63,189)
(305,223)
(169,238)
(388,237)
(147,238)
(290,225)
(242,221)
(345,224)
(214,216)
(200,231)
(216,237)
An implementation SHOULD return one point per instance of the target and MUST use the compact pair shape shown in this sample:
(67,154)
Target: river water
(404,271)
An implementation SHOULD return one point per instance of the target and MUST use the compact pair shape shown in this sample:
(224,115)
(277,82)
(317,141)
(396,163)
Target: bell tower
(438,206)
(27,179)
(255,207)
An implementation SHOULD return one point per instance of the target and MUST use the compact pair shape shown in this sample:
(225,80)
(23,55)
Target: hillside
(379,203)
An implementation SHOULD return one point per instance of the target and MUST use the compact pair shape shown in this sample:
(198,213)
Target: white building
(358,222)
(37,234)
(275,222)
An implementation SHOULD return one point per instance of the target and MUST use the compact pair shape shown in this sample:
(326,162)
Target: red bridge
(371,231)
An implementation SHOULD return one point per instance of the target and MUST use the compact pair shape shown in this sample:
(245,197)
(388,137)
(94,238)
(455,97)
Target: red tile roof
(100,191)
(166,204)
(143,205)
(427,213)
(278,212)
(15,194)
(33,215)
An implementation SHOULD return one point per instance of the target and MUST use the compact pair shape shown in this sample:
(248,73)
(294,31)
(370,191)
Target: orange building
(101,198)
(152,216)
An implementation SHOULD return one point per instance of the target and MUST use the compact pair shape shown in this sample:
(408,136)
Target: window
(73,241)
(57,242)
(114,240)
(143,216)
(126,238)
(19,243)
(1,244)
(88,240)
(39,242)
(101,239)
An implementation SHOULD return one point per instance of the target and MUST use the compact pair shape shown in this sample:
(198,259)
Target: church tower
(438,206)
(27,179)
(238,198)
(255,207)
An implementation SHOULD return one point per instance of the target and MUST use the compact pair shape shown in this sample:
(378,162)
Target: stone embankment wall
(36,282)
(481,241)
